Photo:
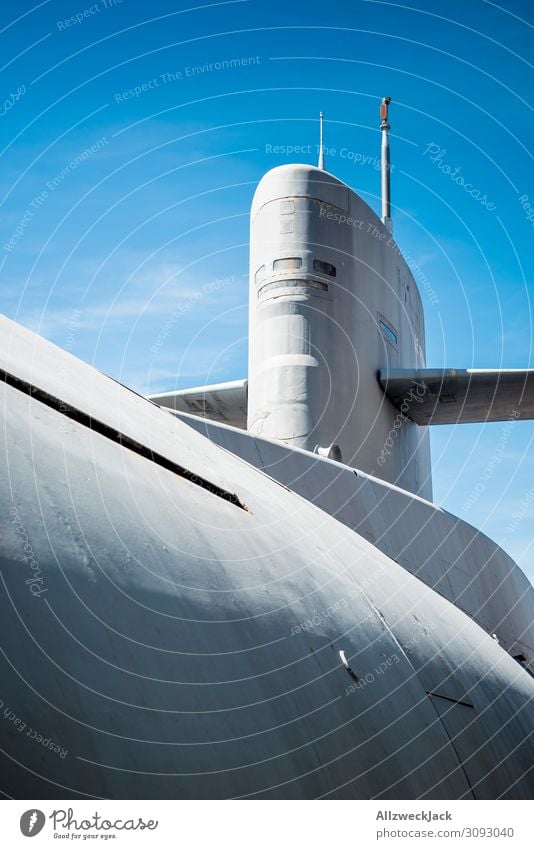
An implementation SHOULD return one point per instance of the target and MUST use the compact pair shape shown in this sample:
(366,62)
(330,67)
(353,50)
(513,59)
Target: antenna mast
(386,188)
(321,146)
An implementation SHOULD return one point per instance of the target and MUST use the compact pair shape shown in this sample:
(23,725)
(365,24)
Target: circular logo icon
(32,822)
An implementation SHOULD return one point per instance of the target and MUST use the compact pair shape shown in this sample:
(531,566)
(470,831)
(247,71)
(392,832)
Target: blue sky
(128,168)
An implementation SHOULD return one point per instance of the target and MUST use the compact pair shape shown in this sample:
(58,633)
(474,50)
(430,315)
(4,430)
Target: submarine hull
(177,624)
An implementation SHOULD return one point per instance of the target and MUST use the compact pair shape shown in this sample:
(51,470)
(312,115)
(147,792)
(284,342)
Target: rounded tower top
(295,180)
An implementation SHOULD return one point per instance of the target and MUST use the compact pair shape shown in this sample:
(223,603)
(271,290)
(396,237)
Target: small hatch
(287,225)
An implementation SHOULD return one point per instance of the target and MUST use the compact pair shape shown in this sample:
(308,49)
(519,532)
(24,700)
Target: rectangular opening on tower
(287,262)
(324,267)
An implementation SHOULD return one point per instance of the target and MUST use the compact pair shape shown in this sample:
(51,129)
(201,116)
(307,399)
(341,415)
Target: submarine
(245,590)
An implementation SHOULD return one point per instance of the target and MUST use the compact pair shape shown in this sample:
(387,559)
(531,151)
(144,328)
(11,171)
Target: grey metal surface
(184,647)
(460,396)
(451,556)
(220,402)
(331,301)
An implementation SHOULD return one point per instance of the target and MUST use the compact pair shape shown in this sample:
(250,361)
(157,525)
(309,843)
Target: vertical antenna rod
(321,147)
(386,197)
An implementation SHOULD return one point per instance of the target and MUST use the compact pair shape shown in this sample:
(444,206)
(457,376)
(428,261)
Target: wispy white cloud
(164,294)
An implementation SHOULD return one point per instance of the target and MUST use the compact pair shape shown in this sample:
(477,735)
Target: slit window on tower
(390,334)
(287,263)
(324,267)
(260,274)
